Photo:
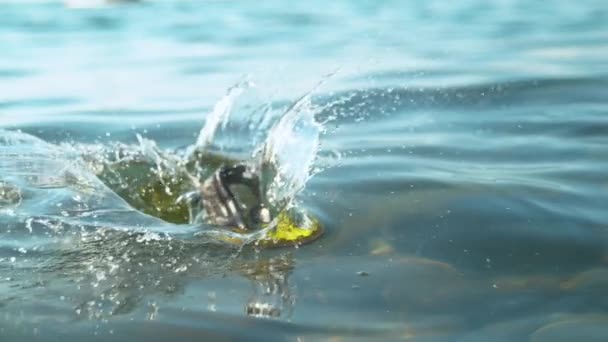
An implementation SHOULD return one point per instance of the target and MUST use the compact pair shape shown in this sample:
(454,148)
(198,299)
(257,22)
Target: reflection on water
(272,295)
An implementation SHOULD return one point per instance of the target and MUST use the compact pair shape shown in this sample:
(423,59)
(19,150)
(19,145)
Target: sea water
(460,171)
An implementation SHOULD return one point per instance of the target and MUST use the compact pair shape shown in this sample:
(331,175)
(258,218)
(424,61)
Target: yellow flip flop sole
(288,233)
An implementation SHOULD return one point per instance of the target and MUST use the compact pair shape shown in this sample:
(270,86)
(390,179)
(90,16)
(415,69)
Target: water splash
(288,154)
(285,157)
(219,116)
(63,212)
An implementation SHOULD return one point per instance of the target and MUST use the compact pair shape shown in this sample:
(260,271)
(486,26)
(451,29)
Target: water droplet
(182,268)
(101,275)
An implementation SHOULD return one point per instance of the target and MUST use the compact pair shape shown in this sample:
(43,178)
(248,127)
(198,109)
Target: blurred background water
(466,192)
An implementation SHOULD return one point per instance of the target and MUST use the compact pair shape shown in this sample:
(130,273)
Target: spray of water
(219,116)
(53,202)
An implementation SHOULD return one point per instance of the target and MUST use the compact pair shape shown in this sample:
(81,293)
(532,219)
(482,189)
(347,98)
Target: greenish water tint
(463,187)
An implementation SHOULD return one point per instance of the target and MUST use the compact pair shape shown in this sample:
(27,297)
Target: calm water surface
(464,188)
